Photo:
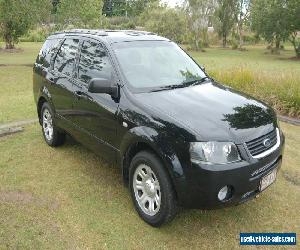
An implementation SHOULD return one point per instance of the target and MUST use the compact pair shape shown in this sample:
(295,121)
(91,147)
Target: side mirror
(102,85)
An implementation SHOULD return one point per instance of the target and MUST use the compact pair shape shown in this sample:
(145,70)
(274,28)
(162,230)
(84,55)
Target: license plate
(268,180)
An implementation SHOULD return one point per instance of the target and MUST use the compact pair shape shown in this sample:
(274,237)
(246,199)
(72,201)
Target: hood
(212,112)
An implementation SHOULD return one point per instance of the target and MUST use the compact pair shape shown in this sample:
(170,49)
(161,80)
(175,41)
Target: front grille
(257,145)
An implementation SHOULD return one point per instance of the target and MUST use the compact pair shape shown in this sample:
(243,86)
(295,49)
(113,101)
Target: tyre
(52,135)
(151,189)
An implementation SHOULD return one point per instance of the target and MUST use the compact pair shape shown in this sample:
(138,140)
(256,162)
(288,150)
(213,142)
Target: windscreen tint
(155,64)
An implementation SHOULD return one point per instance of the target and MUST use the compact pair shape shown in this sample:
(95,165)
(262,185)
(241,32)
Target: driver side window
(94,62)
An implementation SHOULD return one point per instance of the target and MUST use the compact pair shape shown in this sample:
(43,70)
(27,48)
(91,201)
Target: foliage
(199,13)
(224,14)
(79,13)
(293,24)
(241,12)
(277,21)
(128,8)
(38,34)
(17,16)
(167,22)
(118,22)
(269,19)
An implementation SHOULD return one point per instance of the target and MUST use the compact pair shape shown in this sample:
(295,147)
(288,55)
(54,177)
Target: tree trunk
(9,44)
(276,50)
(224,40)
(241,42)
(295,45)
(277,44)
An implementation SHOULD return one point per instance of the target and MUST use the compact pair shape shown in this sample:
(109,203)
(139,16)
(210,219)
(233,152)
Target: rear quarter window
(47,52)
(66,56)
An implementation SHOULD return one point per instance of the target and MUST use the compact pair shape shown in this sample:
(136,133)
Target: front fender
(162,147)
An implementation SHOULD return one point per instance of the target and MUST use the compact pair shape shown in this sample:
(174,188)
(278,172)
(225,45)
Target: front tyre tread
(168,207)
(58,137)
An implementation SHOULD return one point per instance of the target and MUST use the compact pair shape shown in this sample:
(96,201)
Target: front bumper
(201,183)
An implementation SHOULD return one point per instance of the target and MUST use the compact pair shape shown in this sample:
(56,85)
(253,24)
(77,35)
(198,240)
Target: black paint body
(165,122)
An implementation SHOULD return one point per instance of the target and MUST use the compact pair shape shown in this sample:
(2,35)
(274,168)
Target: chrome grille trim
(268,151)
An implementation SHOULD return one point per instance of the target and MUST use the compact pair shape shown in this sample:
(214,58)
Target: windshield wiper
(196,82)
(172,86)
(182,85)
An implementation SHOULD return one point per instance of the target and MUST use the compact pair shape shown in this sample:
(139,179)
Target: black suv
(138,100)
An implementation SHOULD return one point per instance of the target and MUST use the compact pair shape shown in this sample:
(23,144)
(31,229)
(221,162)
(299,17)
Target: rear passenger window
(47,52)
(94,62)
(66,56)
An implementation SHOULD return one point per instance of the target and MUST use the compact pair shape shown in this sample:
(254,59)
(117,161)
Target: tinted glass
(94,62)
(65,58)
(152,64)
(47,51)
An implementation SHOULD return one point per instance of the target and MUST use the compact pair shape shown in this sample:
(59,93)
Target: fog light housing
(225,193)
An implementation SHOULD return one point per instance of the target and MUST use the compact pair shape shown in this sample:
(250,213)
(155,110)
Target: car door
(61,78)
(95,114)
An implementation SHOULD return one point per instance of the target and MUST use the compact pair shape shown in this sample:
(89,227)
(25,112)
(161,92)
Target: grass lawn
(273,78)
(69,198)
(16,98)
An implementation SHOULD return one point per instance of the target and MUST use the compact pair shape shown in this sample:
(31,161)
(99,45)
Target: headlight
(214,152)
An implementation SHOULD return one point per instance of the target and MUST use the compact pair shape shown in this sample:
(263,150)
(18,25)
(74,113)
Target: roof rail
(84,31)
(132,32)
(105,32)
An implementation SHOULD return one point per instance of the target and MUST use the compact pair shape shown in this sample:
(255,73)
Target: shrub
(118,22)
(282,91)
(37,35)
(167,22)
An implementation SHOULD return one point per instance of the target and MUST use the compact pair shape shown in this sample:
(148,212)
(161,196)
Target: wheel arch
(40,103)
(143,138)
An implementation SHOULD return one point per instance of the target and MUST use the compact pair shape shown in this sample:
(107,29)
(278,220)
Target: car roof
(114,36)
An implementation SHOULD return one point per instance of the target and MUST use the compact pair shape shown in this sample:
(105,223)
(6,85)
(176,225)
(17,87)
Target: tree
(241,13)
(130,8)
(224,14)
(54,5)
(199,13)
(168,22)
(17,16)
(81,13)
(293,24)
(269,19)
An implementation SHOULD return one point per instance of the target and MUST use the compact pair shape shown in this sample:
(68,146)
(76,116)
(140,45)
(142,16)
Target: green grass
(16,97)
(69,198)
(25,55)
(272,78)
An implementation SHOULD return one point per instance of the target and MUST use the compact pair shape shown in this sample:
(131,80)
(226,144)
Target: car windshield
(157,65)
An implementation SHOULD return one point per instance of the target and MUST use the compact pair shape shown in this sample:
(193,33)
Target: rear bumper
(201,183)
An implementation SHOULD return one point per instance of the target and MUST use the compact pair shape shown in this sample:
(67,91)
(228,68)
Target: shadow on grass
(101,173)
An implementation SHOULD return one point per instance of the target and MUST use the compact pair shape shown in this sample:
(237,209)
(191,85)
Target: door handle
(79,94)
(50,80)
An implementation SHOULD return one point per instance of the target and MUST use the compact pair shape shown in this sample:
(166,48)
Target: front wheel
(52,135)
(151,189)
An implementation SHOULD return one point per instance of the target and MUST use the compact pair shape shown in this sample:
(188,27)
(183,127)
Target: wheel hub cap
(47,124)
(147,190)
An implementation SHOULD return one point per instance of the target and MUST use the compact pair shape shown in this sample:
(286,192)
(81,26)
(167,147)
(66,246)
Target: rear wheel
(151,189)
(52,135)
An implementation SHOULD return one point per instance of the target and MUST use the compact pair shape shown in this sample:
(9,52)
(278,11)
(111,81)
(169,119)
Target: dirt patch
(15,196)
(21,197)
(292,178)
(24,65)
(9,51)
(294,58)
